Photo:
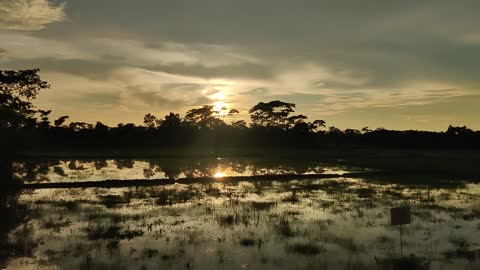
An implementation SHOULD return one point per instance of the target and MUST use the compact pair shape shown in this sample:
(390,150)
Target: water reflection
(94,170)
(308,224)
(219,175)
(15,231)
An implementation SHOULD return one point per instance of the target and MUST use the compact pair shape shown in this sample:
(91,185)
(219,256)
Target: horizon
(402,66)
(239,134)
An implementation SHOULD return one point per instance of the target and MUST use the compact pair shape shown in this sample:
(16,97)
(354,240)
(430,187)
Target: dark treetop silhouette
(273,124)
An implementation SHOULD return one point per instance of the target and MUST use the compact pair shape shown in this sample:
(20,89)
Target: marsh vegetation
(340,223)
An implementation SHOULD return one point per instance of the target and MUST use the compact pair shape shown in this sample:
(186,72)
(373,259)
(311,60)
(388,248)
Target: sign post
(398,217)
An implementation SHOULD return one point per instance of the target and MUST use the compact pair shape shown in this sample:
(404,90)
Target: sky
(391,64)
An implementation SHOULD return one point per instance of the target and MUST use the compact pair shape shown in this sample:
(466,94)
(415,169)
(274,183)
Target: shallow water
(309,224)
(167,168)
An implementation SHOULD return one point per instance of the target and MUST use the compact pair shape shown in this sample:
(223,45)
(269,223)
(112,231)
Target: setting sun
(219,175)
(220,107)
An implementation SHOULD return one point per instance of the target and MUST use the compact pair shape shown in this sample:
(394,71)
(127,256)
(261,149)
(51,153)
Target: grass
(247,242)
(111,201)
(262,206)
(411,262)
(282,228)
(365,192)
(228,220)
(305,249)
(173,196)
(292,198)
(149,252)
(56,224)
(107,232)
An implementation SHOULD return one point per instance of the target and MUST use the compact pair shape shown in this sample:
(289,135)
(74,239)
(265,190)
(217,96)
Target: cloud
(3,53)
(29,15)
(124,52)
(329,58)
(23,46)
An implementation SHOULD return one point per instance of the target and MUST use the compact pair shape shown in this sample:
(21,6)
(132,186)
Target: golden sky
(399,65)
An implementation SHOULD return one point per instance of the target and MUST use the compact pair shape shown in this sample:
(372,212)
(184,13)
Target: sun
(219,175)
(220,107)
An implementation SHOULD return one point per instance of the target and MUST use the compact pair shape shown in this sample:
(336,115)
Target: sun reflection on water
(219,175)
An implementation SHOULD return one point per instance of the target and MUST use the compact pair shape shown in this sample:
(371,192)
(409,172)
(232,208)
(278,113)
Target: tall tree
(171,121)
(151,121)
(17,90)
(274,113)
(203,117)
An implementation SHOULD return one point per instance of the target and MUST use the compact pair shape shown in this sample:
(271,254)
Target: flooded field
(338,223)
(39,171)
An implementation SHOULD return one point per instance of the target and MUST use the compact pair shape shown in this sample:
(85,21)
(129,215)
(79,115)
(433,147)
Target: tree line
(272,124)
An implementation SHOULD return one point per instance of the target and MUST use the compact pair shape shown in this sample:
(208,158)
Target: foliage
(203,117)
(274,113)
(17,90)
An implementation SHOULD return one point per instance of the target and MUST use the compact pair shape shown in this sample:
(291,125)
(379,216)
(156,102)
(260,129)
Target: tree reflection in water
(90,170)
(15,232)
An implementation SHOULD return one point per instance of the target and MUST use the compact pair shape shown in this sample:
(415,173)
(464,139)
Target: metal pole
(401,242)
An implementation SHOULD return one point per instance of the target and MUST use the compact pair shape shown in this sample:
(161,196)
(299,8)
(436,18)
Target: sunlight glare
(220,107)
(219,175)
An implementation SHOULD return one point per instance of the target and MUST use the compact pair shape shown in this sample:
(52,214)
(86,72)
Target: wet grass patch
(149,253)
(283,228)
(102,215)
(228,220)
(247,242)
(111,201)
(305,249)
(365,192)
(411,262)
(292,198)
(172,196)
(107,232)
(262,206)
(56,225)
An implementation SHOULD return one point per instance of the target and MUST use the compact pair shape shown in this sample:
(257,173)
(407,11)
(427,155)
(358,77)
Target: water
(167,168)
(339,223)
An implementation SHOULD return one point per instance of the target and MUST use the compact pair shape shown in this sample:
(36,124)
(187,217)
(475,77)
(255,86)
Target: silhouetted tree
(203,117)
(233,111)
(100,127)
(318,124)
(334,130)
(80,125)
(17,90)
(351,131)
(240,124)
(366,130)
(459,130)
(151,121)
(44,119)
(197,115)
(171,120)
(296,119)
(60,121)
(274,113)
